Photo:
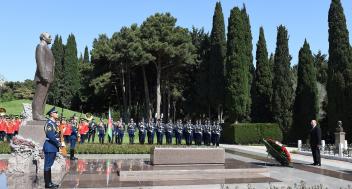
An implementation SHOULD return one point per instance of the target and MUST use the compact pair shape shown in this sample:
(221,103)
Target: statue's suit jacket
(45,64)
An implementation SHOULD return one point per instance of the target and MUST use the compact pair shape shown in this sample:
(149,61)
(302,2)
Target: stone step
(161,175)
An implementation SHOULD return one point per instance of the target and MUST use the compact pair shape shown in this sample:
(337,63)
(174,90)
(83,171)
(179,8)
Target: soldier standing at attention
(178,132)
(73,137)
(51,146)
(101,131)
(159,132)
(150,132)
(141,129)
(168,132)
(131,129)
(188,133)
(121,131)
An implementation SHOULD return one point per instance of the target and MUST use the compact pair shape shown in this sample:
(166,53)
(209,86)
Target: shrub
(250,133)
(113,149)
(5,148)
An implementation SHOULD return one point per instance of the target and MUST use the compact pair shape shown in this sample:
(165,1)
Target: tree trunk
(146,91)
(168,104)
(124,94)
(129,91)
(158,95)
(174,106)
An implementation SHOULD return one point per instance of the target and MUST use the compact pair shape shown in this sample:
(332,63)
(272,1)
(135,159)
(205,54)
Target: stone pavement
(93,171)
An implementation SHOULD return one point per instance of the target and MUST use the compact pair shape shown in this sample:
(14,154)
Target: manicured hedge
(5,148)
(250,133)
(113,149)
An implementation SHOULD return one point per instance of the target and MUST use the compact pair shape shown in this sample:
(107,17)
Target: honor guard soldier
(188,133)
(207,133)
(121,131)
(217,133)
(91,127)
(168,132)
(159,132)
(73,137)
(198,133)
(150,131)
(141,133)
(131,128)
(178,132)
(101,131)
(51,146)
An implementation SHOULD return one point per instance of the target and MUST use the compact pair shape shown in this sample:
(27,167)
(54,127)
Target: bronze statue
(44,75)
(339,126)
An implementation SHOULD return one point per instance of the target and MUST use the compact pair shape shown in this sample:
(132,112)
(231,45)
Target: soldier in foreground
(51,146)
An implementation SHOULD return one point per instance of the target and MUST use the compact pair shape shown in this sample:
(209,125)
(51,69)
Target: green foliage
(71,79)
(262,85)
(5,148)
(251,133)
(339,69)
(238,61)
(113,149)
(57,87)
(217,59)
(321,64)
(282,83)
(17,90)
(306,101)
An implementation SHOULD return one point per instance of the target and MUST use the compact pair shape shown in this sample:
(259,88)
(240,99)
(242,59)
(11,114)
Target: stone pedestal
(177,156)
(33,130)
(339,138)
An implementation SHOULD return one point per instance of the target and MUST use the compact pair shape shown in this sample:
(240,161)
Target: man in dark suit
(315,142)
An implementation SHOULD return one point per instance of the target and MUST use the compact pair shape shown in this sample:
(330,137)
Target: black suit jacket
(315,136)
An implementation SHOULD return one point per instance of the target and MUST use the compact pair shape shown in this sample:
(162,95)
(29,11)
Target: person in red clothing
(17,124)
(67,131)
(83,129)
(2,128)
(10,128)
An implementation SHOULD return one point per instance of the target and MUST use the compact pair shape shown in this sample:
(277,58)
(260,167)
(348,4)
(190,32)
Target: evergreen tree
(339,70)
(282,83)
(237,69)
(305,107)
(217,60)
(262,85)
(248,47)
(86,55)
(55,92)
(71,74)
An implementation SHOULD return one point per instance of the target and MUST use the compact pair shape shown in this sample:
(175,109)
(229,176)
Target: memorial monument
(44,75)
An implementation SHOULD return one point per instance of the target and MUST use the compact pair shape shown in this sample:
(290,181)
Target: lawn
(16,107)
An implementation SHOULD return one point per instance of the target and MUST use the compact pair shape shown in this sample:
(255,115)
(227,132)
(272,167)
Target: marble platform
(187,155)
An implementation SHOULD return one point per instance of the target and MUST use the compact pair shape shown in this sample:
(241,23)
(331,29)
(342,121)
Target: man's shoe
(314,164)
(50,185)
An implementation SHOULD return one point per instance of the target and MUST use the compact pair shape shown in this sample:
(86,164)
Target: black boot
(50,181)
(47,180)
(72,154)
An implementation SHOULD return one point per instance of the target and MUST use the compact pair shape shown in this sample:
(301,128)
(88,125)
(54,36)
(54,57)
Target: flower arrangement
(278,151)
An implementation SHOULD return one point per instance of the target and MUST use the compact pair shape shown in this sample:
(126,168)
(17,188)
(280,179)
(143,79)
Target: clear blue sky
(22,21)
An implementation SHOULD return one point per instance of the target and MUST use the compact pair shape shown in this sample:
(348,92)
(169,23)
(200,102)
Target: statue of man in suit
(44,75)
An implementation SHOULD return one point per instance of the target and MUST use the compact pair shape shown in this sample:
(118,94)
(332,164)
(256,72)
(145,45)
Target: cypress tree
(71,73)
(262,85)
(282,83)
(86,55)
(217,58)
(339,69)
(237,69)
(305,107)
(54,96)
(248,47)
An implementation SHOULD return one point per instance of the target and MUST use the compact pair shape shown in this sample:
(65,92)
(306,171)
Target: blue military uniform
(73,140)
(121,132)
(168,132)
(178,132)
(51,147)
(150,132)
(131,129)
(159,132)
(141,133)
